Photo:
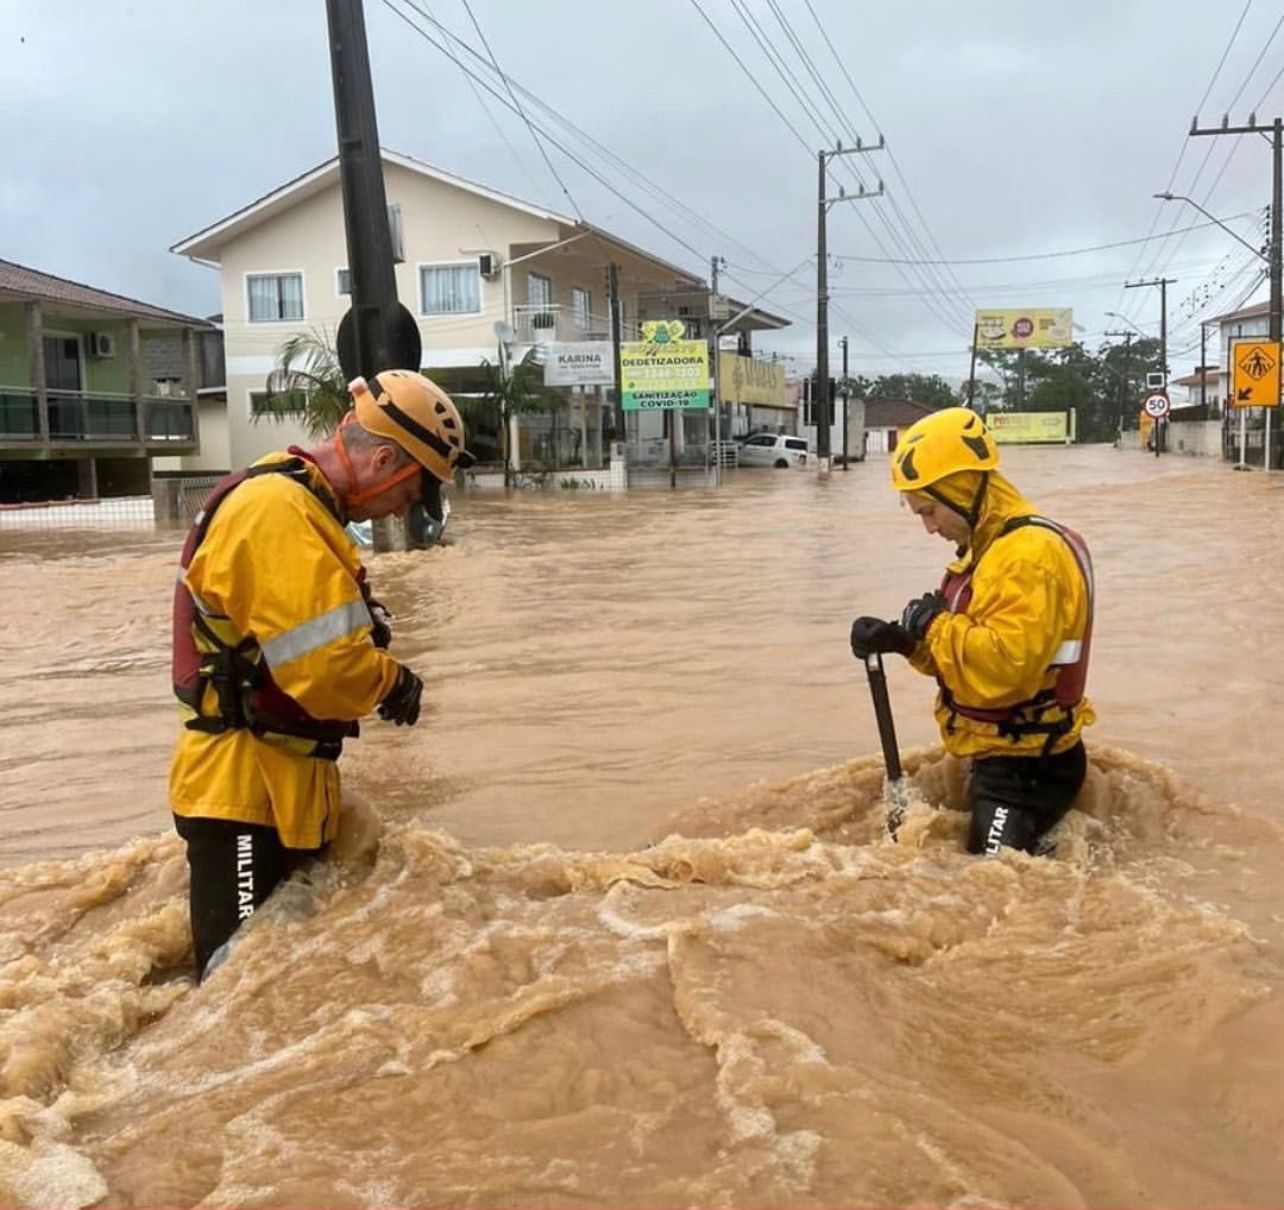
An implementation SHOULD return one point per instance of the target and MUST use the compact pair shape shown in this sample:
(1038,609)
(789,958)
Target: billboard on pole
(663,371)
(1031,328)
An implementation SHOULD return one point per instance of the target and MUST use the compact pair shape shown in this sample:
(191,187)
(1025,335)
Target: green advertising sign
(663,371)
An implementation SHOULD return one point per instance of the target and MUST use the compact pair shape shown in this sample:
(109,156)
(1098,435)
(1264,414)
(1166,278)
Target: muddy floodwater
(617,923)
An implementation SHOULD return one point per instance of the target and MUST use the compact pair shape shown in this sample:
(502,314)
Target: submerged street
(522,992)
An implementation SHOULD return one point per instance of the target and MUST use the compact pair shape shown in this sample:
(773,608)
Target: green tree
(930,389)
(510,389)
(307,384)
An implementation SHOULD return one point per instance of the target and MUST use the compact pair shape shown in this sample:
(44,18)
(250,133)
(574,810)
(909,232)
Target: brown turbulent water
(617,924)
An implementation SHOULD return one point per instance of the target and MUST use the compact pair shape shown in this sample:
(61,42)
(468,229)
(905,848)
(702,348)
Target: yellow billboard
(752,381)
(1032,328)
(663,371)
(1014,428)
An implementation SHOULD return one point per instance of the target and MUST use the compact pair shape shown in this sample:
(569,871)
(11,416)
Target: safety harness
(209,655)
(1070,659)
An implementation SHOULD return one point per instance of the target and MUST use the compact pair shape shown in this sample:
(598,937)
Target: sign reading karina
(579,364)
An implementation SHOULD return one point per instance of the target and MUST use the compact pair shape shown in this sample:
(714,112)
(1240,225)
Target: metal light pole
(1272,258)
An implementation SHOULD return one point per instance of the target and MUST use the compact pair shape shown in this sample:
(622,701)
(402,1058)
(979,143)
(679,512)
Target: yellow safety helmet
(417,415)
(951,440)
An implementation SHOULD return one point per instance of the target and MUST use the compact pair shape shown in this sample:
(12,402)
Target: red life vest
(1070,659)
(207,653)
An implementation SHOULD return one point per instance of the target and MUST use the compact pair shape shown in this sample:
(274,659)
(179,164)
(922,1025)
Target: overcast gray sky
(1013,129)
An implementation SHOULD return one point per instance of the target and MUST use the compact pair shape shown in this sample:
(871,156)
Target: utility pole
(1123,385)
(613,293)
(971,370)
(1274,134)
(846,407)
(1203,368)
(1163,283)
(820,405)
(715,369)
(377,333)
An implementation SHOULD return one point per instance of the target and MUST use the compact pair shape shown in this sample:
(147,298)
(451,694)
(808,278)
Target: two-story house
(93,386)
(476,267)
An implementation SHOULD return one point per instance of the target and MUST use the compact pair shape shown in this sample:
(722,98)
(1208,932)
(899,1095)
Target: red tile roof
(893,413)
(17,281)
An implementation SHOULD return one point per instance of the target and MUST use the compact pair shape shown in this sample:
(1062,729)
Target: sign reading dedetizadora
(662,370)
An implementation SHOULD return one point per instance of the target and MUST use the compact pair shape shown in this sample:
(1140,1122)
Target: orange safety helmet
(415,414)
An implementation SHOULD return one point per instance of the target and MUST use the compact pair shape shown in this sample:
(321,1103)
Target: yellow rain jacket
(1029,597)
(277,564)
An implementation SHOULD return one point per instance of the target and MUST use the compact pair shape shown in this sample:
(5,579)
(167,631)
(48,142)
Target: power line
(752,78)
(521,112)
(909,193)
(827,132)
(1185,143)
(499,130)
(614,161)
(1007,260)
(449,54)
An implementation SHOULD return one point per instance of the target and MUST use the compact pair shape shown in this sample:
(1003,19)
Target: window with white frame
(343,281)
(582,307)
(449,289)
(274,297)
(539,290)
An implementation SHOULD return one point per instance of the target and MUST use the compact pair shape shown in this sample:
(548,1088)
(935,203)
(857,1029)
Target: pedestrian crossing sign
(1255,374)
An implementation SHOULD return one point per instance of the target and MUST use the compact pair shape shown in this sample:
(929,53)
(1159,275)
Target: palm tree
(510,390)
(307,385)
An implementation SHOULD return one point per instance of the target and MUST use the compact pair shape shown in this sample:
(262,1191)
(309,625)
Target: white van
(773,449)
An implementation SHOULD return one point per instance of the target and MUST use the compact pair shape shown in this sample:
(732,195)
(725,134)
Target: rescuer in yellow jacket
(278,647)
(1007,635)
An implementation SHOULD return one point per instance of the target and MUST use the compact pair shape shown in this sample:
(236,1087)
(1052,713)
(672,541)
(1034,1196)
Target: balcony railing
(537,325)
(95,418)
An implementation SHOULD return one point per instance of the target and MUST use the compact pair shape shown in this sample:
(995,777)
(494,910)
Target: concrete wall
(1199,438)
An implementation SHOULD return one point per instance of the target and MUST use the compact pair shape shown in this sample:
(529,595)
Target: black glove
(380,617)
(873,635)
(401,705)
(919,614)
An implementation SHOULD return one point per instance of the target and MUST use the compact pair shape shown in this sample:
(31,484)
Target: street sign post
(1157,407)
(1255,383)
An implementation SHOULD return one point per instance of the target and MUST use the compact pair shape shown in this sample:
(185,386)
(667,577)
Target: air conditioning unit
(101,344)
(487,264)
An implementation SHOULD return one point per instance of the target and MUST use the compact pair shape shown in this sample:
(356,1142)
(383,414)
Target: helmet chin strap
(378,488)
(973,514)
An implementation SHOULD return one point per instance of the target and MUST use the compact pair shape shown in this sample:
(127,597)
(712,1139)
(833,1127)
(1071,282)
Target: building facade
(487,277)
(93,386)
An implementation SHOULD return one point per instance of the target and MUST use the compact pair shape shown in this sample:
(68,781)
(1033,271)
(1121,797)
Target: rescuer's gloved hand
(401,705)
(874,636)
(919,614)
(380,624)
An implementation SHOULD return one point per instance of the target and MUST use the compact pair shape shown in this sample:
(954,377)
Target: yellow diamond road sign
(1255,374)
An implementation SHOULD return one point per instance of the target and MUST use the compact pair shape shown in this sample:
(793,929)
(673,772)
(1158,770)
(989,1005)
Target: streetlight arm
(721,328)
(1133,326)
(1179,197)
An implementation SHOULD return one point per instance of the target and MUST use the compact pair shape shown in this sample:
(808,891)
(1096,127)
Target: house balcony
(95,421)
(538,325)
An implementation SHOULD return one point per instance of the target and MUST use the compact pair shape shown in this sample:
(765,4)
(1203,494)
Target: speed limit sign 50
(1156,405)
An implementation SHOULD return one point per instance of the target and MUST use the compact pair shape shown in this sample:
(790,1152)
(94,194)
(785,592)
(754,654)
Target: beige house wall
(442,223)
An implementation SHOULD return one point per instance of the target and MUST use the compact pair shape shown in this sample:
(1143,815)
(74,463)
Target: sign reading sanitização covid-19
(663,371)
